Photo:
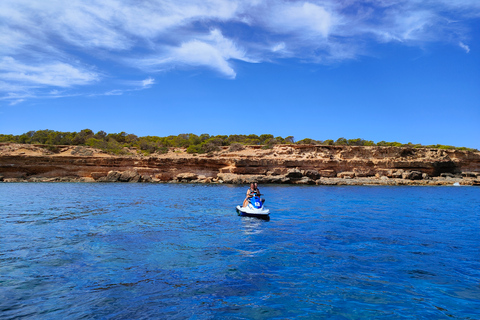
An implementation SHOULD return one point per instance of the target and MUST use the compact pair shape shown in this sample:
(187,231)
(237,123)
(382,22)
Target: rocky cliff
(297,164)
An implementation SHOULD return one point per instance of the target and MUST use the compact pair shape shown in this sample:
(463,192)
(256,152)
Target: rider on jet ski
(253,189)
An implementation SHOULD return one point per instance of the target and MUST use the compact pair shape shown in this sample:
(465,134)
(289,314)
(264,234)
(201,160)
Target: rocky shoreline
(282,164)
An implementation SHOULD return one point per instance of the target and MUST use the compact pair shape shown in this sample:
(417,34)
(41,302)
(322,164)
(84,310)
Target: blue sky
(397,70)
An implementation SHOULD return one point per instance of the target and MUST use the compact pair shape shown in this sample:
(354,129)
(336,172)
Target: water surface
(123,251)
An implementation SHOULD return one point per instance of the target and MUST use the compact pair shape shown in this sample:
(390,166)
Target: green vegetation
(117,143)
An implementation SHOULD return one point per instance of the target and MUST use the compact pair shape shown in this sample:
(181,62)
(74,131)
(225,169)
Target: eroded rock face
(298,164)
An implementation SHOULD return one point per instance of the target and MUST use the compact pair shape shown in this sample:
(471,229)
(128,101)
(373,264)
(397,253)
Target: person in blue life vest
(253,189)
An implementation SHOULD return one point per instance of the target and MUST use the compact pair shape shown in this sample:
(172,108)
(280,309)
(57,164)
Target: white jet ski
(255,208)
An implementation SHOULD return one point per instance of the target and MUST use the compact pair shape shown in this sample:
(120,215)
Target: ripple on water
(180,251)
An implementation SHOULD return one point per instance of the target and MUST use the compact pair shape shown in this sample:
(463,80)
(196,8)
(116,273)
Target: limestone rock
(304,180)
(346,175)
(129,176)
(327,173)
(112,176)
(312,174)
(274,172)
(412,175)
(294,174)
(447,175)
(188,176)
(398,174)
(464,174)
(145,178)
(363,172)
(98,175)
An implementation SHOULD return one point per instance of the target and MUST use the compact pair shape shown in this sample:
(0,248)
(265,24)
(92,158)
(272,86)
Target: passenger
(249,191)
(257,191)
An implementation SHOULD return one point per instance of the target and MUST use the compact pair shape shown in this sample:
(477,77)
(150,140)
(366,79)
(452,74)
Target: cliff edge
(293,164)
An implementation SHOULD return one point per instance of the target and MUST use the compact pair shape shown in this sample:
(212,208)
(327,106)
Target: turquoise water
(125,251)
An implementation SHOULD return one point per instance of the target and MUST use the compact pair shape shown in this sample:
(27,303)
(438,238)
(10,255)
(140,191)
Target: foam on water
(128,251)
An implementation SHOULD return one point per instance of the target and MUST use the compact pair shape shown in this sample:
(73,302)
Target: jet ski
(255,208)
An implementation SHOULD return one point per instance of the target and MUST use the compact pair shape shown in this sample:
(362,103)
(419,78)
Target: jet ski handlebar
(255,194)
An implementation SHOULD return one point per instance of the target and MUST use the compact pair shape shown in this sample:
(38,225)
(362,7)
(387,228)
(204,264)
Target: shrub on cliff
(162,150)
(236,147)
(329,142)
(202,143)
(194,149)
(210,146)
(309,141)
(148,146)
(7,138)
(96,143)
(341,142)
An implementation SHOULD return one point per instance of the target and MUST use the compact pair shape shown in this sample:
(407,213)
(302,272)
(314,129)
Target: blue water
(137,251)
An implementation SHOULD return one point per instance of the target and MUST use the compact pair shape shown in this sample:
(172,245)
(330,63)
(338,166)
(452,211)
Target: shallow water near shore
(179,251)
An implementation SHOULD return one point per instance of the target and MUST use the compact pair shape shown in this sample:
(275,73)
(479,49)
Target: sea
(180,251)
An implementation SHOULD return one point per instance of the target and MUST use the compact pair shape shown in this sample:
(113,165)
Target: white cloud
(55,74)
(14,102)
(213,51)
(114,93)
(278,47)
(302,18)
(147,83)
(464,47)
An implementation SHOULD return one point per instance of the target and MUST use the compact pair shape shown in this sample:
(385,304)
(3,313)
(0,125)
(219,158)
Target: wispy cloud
(213,51)
(464,47)
(147,83)
(55,44)
(56,74)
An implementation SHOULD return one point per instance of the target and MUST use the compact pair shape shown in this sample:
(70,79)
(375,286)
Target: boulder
(13,180)
(188,176)
(228,178)
(425,176)
(412,175)
(304,180)
(398,174)
(327,173)
(129,176)
(312,174)
(146,178)
(206,180)
(447,175)
(365,172)
(112,176)
(98,175)
(383,173)
(464,174)
(326,182)
(346,175)
(294,174)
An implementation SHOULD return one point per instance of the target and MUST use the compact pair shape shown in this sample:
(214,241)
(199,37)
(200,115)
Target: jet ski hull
(248,211)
